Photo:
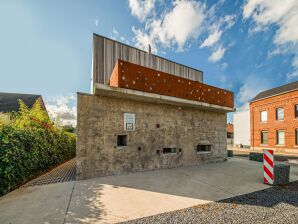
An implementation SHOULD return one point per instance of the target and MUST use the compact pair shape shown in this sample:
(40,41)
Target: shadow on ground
(85,205)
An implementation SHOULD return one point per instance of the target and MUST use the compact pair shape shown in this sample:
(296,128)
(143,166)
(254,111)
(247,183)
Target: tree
(36,117)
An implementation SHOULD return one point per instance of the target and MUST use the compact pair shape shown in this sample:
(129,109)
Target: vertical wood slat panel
(106,52)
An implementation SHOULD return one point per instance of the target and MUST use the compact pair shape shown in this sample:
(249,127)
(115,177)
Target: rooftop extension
(131,76)
(143,76)
(106,52)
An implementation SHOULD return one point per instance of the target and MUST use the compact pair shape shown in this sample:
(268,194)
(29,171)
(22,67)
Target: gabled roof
(9,101)
(276,91)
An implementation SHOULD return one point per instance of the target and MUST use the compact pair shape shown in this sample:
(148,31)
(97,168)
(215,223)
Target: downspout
(253,129)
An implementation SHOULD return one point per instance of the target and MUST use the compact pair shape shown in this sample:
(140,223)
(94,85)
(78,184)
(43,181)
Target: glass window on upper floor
(280,114)
(264,116)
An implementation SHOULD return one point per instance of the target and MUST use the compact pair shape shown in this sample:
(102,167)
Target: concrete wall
(288,125)
(100,120)
(241,123)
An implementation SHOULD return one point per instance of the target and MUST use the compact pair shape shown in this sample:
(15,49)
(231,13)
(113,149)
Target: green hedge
(230,153)
(25,153)
(256,156)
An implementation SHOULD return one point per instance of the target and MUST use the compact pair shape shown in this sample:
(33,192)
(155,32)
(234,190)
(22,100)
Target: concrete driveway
(119,198)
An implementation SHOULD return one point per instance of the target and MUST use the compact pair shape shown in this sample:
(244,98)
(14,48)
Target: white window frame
(261,116)
(276,111)
(278,141)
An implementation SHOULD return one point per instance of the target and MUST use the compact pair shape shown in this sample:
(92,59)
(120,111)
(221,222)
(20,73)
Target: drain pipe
(253,129)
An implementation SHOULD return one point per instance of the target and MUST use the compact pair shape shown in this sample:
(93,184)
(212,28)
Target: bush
(230,153)
(26,153)
(29,147)
(255,156)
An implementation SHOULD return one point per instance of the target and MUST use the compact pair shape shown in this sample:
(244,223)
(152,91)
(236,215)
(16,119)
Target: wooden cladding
(106,52)
(132,76)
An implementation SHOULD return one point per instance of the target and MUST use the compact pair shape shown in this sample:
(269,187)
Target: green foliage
(30,145)
(32,118)
(68,128)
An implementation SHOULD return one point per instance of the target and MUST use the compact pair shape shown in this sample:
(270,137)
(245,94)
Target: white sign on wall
(129,122)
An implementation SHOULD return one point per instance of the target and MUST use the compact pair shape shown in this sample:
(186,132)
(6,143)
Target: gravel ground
(63,173)
(273,205)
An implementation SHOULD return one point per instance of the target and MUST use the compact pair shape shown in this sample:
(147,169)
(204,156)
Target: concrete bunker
(145,118)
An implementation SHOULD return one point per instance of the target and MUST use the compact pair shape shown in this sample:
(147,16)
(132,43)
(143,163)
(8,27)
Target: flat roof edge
(105,90)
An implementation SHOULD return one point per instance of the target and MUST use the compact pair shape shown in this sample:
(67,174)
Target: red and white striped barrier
(268,166)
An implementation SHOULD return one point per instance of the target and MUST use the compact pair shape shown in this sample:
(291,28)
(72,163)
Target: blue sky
(244,46)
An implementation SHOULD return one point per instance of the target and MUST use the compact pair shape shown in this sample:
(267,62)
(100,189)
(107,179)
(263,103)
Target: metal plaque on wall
(129,121)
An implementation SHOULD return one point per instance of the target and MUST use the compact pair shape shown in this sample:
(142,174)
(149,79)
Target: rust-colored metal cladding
(132,76)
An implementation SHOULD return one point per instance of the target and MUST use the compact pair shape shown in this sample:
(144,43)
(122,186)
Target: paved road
(133,196)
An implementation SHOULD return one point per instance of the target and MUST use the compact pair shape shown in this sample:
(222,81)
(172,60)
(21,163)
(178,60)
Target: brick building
(274,118)
(146,112)
(230,130)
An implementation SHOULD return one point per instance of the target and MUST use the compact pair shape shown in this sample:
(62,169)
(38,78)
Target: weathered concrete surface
(135,195)
(34,205)
(158,126)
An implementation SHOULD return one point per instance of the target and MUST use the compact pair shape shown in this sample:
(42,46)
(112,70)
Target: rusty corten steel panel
(132,76)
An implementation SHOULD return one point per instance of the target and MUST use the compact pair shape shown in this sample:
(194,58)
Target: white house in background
(241,122)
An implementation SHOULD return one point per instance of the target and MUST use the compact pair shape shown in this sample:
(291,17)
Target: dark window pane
(122,140)
(203,148)
(296,110)
(264,137)
(169,150)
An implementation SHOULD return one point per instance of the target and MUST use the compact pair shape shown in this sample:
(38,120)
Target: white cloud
(224,66)
(212,39)
(215,30)
(250,88)
(229,21)
(117,36)
(217,54)
(225,82)
(183,22)
(292,75)
(141,9)
(143,40)
(115,32)
(62,109)
(295,61)
(284,14)
(96,22)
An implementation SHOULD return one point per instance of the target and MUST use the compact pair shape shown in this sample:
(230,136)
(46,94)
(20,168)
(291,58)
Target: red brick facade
(289,124)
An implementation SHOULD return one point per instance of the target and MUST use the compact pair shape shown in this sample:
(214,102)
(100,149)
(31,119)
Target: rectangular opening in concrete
(204,148)
(169,150)
(121,140)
